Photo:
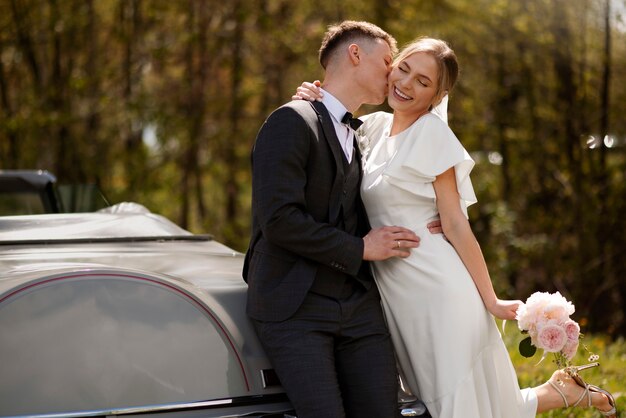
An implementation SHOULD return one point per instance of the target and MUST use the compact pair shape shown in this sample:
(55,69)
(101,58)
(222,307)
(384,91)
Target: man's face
(375,66)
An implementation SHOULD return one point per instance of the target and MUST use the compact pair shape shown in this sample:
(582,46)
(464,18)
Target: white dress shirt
(344,132)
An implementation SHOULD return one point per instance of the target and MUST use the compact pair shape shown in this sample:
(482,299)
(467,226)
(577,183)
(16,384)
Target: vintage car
(121,312)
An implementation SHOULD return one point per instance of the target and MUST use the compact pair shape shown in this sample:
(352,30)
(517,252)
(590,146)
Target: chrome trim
(234,402)
(133,410)
(269,378)
(156,238)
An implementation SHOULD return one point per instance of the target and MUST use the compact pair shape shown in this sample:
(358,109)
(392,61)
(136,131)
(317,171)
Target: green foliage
(159,102)
(526,348)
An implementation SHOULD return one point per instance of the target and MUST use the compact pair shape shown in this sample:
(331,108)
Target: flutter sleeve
(430,148)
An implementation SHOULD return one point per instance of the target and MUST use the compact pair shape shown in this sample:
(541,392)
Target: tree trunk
(606,253)
(8,156)
(237,106)
(130,22)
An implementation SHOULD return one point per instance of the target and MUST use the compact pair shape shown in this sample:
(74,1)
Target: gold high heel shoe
(572,371)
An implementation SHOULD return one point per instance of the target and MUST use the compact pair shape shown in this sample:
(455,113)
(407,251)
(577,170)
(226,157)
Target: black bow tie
(354,123)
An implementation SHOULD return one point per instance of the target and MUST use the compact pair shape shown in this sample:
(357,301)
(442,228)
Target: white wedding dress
(449,350)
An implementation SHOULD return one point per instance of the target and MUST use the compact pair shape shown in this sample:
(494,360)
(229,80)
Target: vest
(328,281)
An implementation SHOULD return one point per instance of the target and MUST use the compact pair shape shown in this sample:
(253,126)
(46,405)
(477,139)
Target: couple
(311,293)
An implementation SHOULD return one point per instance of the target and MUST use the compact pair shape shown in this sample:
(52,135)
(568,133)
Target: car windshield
(26,203)
(30,192)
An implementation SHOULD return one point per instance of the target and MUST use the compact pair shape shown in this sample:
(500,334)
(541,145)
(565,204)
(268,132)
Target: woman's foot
(573,391)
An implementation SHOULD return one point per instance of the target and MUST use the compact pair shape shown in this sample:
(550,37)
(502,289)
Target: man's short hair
(350,31)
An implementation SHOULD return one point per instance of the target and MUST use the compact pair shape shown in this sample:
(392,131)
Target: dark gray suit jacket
(297,184)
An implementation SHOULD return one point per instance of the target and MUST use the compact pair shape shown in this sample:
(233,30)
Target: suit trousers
(334,356)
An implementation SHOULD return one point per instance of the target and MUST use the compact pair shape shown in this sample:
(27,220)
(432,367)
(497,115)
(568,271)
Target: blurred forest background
(159,102)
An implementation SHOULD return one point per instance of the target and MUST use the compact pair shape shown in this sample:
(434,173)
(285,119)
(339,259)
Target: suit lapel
(364,225)
(357,155)
(330,135)
(334,207)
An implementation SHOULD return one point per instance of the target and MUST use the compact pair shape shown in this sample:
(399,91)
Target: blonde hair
(447,63)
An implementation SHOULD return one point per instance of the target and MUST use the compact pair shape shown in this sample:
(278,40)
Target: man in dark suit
(311,295)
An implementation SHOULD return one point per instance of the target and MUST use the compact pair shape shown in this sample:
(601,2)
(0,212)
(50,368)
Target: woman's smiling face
(413,84)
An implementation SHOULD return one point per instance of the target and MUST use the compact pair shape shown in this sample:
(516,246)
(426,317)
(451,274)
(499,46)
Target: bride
(439,301)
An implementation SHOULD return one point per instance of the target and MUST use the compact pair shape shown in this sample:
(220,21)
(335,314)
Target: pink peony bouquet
(546,319)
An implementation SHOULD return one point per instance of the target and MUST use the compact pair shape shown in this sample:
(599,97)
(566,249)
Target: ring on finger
(398,243)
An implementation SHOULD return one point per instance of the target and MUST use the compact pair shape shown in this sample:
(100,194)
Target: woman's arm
(459,233)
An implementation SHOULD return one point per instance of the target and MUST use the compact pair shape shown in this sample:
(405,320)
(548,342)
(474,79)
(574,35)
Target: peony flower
(570,349)
(572,329)
(556,312)
(551,338)
(363,143)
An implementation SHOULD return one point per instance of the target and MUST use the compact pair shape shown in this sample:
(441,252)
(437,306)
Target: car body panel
(120,310)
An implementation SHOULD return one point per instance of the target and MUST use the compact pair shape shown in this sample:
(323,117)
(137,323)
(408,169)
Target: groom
(311,295)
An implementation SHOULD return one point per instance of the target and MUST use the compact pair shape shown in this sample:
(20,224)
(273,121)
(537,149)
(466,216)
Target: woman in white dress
(439,301)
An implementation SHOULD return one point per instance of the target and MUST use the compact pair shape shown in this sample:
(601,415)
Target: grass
(611,375)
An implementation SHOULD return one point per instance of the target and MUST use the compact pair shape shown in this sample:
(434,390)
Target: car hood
(132,239)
